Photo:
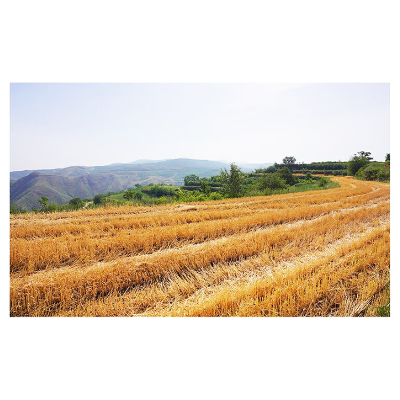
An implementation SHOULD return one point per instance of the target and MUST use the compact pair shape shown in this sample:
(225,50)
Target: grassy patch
(384,310)
(298,187)
(380,306)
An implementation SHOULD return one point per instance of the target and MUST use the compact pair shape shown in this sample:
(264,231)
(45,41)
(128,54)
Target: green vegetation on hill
(229,183)
(42,192)
(62,185)
(374,171)
(362,167)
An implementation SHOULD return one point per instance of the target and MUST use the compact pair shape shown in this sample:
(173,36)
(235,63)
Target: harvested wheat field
(319,253)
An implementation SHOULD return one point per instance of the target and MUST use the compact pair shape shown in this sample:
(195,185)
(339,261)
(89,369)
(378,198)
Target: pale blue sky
(59,125)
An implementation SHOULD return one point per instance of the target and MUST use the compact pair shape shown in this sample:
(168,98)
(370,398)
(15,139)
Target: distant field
(315,253)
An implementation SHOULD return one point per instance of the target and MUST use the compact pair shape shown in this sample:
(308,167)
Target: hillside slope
(60,189)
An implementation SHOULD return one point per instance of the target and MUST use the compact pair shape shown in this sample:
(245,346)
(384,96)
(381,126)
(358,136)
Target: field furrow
(289,254)
(295,288)
(31,255)
(78,222)
(177,293)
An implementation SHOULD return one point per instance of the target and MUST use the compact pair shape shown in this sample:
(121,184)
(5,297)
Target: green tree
(43,202)
(76,203)
(287,176)
(160,190)
(99,199)
(128,194)
(359,160)
(289,160)
(190,178)
(308,176)
(53,207)
(232,181)
(204,186)
(14,209)
(387,157)
(138,195)
(271,169)
(271,181)
(365,154)
(323,182)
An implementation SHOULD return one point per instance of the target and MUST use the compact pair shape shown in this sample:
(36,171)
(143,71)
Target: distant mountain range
(62,184)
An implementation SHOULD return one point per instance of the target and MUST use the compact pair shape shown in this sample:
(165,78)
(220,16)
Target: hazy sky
(59,125)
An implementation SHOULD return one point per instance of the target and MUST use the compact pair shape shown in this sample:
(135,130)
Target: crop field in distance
(317,253)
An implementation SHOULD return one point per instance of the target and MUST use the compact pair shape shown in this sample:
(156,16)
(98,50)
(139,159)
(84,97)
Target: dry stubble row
(27,256)
(213,243)
(341,284)
(64,288)
(179,293)
(78,222)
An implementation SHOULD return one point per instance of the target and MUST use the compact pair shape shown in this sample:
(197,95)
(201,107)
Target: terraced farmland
(320,253)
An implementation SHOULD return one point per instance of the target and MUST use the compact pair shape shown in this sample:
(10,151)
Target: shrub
(370,174)
(162,200)
(215,196)
(128,195)
(159,191)
(308,176)
(287,176)
(271,169)
(189,196)
(53,207)
(14,209)
(76,203)
(272,181)
(384,175)
(205,187)
(43,203)
(323,182)
(138,195)
(190,179)
(373,172)
(99,199)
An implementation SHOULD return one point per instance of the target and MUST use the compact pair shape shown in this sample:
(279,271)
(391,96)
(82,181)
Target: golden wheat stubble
(221,233)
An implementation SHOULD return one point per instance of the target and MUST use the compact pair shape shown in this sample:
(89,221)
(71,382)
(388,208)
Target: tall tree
(76,203)
(204,186)
(190,178)
(232,181)
(43,203)
(358,161)
(289,160)
(364,154)
(287,176)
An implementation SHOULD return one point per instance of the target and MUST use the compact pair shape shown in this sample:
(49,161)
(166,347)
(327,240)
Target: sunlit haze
(60,125)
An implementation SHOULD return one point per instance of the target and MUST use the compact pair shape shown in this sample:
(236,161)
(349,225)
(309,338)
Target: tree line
(277,178)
